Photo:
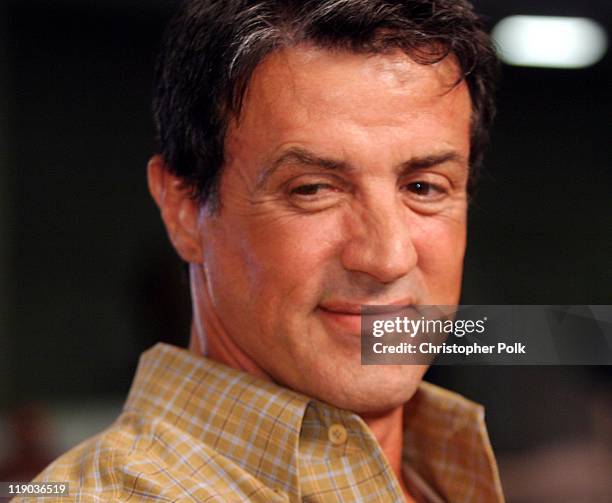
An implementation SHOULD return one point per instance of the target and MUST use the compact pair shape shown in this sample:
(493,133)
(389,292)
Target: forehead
(306,93)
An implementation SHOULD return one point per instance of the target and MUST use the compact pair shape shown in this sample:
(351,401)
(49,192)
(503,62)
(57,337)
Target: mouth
(346,316)
(342,320)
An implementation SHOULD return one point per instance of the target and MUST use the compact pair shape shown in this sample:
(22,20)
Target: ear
(179,211)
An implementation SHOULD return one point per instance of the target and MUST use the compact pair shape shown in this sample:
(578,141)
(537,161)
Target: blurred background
(88,280)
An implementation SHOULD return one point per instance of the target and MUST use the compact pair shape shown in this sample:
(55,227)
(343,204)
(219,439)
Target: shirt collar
(446,443)
(215,398)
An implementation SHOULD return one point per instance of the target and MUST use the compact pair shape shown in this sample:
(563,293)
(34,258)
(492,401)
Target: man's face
(344,184)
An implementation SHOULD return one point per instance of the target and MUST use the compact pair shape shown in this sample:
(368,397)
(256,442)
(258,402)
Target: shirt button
(337,434)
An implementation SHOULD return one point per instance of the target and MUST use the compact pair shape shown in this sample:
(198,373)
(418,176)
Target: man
(315,156)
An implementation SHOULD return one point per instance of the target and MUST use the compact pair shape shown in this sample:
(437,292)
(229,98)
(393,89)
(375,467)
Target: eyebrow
(301,156)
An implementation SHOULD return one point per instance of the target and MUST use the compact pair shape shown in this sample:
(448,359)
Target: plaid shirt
(195,430)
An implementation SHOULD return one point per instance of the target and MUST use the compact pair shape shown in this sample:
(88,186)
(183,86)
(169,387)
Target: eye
(421,188)
(425,190)
(310,189)
(315,193)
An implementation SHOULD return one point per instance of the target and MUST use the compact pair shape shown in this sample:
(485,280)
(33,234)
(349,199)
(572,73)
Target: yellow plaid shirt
(195,430)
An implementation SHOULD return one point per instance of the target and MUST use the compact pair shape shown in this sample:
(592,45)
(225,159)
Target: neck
(208,338)
(224,351)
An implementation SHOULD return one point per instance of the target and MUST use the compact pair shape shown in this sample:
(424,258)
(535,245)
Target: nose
(381,244)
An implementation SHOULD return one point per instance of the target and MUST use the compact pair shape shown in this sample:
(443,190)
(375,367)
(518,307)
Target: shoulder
(137,458)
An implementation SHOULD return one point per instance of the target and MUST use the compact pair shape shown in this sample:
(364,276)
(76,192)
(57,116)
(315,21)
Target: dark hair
(212,47)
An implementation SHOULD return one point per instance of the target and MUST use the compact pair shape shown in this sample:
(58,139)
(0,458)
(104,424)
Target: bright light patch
(553,42)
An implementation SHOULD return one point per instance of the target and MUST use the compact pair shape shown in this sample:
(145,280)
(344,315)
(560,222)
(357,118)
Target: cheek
(288,258)
(440,244)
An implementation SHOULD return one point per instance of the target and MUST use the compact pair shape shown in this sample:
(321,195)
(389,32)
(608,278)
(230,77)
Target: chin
(376,390)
